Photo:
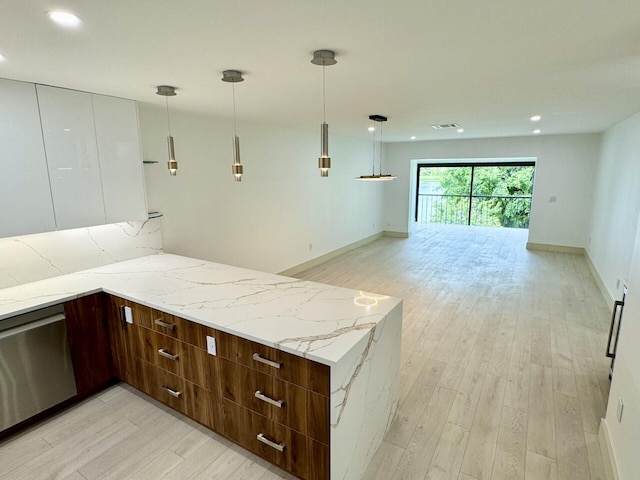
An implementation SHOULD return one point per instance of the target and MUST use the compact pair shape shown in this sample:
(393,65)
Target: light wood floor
(503,376)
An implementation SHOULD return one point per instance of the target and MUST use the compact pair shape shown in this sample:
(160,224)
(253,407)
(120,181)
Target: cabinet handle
(160,323)
(271,363)
(172,392)
(164,353)
(616,304)
(264,398)
(266,441)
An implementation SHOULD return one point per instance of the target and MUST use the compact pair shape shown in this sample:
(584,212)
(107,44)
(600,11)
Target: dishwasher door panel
(36,372)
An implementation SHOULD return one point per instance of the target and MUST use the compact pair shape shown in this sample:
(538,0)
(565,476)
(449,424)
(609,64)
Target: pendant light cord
(324,98)
(166,98)
(381,148)
(235,129)
(373,157)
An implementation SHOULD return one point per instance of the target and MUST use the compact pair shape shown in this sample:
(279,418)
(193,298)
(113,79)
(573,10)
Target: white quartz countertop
(317,321)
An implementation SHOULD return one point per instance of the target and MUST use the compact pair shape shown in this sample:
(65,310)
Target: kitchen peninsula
(354,335)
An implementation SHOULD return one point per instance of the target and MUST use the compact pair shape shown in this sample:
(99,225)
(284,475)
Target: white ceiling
(487,65)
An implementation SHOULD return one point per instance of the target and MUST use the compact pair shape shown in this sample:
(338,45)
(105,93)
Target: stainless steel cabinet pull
(160,323)
(172,392)
(166,354)
(617,304)
(264,398)
(271,363)
(266,441)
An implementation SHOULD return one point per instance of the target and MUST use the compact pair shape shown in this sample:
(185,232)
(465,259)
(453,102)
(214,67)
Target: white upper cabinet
(25,198)
(116,122)
(72,157)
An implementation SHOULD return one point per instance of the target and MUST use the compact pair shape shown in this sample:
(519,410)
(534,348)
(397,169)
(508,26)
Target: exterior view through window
(481,194)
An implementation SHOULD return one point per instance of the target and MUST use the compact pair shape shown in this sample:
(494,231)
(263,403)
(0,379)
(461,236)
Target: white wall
(29,258)
(615,253)
(565,168)
(616,203)
(625,434)
(267,221)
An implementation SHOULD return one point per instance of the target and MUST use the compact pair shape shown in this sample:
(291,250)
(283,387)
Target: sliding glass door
(482,194)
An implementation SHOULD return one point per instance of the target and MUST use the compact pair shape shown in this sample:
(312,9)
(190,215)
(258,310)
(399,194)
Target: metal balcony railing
(479,210)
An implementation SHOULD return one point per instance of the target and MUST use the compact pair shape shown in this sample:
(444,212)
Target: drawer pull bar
(271,363)
(266,441)
(160,323)
(164,353)
(264,398)
(172,392)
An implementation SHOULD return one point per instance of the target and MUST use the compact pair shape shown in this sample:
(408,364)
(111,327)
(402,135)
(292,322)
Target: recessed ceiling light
(2,58)
(535,118)
(536,131)
(64,19)
(460,130)
(372,129)
(413,137)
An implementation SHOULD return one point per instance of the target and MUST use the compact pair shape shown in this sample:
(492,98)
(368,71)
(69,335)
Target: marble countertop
(317,321)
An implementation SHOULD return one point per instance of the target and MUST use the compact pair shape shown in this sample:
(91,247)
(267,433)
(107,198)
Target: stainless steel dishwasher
(36,372)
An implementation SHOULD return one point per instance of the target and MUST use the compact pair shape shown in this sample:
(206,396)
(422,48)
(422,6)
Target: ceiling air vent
(445,125)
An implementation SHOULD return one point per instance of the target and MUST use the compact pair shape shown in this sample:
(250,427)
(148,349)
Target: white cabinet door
(116,121)
(72,156)
(25,198)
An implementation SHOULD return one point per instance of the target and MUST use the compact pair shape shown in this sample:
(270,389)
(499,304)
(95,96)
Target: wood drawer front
(174,356)
(189,332)
(240,385)
(179,394)
(300,371)
(243,427)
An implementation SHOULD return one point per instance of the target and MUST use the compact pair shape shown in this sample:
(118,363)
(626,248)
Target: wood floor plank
(540,467)
(517,389)
(464,405)
(509,463)
(115,462)
(419,452)
(410,371)
(445,464)
(564,381)
(596,465)
(384,462)
(573,462)
(591,405)
(541,342)
(560,351)
(414,404)
(68,456)
(478,458)
(156,467)
(541,437)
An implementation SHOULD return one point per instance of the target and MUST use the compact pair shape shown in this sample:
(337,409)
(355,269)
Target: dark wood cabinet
(89,340)
(272,403)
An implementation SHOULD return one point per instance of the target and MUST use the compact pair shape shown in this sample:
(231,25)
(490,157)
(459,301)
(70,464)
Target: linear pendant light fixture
(233,77)
(167,91)
(380,177)
(324,58)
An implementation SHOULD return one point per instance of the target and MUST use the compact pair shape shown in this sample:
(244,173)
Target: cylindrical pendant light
(233,77)
(172,164)
(324,58)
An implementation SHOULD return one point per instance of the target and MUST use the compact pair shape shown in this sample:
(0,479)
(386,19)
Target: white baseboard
(328,256)
(555,248)
(388,233)
(598,278)
(610,467)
